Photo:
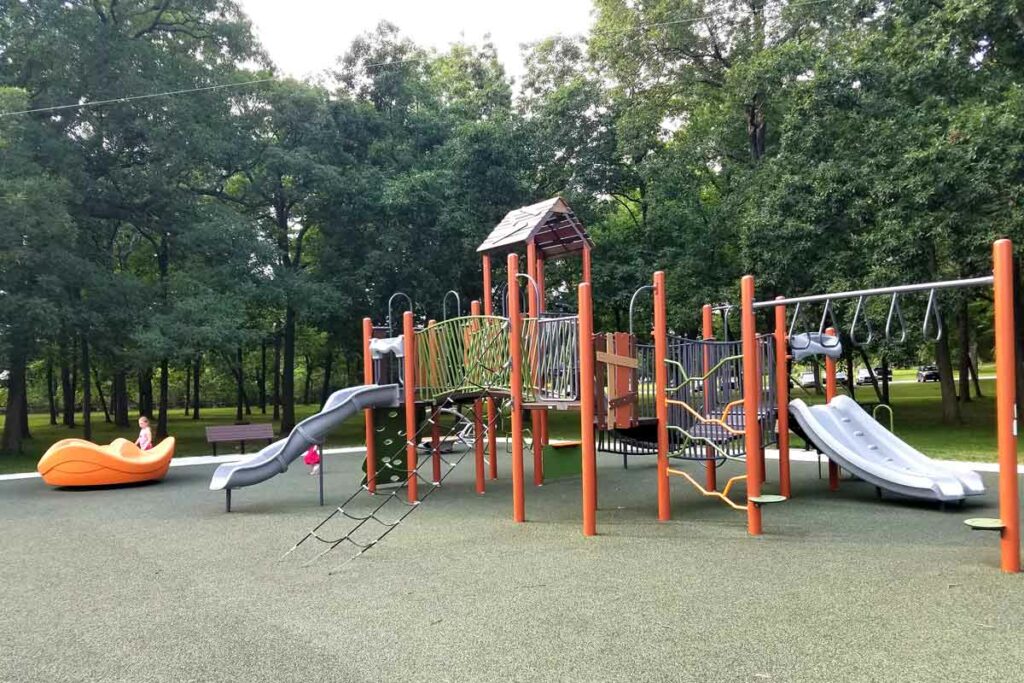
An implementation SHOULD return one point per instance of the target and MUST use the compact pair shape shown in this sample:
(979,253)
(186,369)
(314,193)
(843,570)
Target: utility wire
(222,86)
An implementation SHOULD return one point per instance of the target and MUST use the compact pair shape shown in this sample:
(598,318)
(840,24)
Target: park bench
(240,433)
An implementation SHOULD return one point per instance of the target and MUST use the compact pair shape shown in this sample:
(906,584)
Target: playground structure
(895,461)
(682,399)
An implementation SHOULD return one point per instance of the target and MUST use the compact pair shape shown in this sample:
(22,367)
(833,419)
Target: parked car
(927,373)
(807,380)
(841,376)
(864,375)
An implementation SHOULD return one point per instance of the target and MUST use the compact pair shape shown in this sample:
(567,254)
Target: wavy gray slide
(275,458)
(858,443)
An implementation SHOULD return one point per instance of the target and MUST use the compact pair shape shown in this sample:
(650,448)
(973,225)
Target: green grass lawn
(916,407)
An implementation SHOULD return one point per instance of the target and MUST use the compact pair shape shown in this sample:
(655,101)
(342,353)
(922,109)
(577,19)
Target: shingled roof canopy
(551,224)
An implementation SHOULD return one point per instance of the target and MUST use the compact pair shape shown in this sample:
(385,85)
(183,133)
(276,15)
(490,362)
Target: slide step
(985,524)
(766,499)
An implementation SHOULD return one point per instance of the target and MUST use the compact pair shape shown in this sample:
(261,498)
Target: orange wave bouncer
(76,462)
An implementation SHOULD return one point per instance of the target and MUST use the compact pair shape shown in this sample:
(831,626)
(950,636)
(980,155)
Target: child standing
(312,458)
(145,440)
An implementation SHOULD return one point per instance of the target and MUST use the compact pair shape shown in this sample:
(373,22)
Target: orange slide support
(76,462)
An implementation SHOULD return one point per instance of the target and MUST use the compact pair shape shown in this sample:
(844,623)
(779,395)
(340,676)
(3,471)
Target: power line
(222,86)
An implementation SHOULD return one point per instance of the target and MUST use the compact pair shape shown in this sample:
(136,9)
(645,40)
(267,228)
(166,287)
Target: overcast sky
(305,37)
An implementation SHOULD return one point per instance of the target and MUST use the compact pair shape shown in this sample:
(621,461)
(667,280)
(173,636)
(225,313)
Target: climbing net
(364,515)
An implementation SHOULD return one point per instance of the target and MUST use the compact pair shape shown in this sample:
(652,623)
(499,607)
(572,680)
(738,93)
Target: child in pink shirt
(312,458)
(145,440)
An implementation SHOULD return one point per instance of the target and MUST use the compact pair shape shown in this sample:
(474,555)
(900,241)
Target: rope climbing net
(365,513)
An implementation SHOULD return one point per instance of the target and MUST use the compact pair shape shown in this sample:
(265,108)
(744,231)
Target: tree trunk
(188,386)
(962,323)
(239,384)
(196,369)
(67,394)
(950,405)
(51,391)
(86,390)
(146,392)
(25,433)
(165,381)
(103,399)
(288,373)
(325,392)
(276,398)
(263,376)
(309,381)
(119,398)
(973,367)
(74,382)
(16,406)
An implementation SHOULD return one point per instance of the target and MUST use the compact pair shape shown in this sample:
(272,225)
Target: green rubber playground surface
(156,583)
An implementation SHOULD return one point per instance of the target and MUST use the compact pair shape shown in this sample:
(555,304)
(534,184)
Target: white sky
(304,37)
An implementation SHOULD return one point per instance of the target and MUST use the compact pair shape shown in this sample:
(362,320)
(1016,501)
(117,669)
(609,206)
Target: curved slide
(856,442)
(275,458)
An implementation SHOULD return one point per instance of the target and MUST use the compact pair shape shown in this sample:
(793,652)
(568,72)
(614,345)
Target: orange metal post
(1006,384)
(435,415)
(660,398)
(371,447)
(515,348)
(540,308)
(478,426)
(409,343)
(587,411)
(586,265)
(533,299)
(782,398)
(492,413)
(708,332)
(830,393)
(751,395)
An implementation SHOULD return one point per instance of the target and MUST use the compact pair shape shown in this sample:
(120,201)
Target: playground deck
(157,583)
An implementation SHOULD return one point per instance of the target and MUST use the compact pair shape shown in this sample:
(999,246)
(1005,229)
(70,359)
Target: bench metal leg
(227,500)
(243,448)
(214,449)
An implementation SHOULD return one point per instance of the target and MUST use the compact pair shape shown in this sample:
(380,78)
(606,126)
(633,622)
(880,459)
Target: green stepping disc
(985,524)
(766,499)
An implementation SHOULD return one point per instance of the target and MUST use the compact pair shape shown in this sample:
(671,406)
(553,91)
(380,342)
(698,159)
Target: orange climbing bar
(409,342)
(435,416)
(751,395)
(1006,387)
(478,427)
(515,349)
(830,393)
(660,398)
(492,412)
(782,399)
(587,389)
(371,446)
(533,307)
(708,333)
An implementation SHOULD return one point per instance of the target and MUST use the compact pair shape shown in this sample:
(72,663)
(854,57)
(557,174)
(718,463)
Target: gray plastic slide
(856,442)
(275,458)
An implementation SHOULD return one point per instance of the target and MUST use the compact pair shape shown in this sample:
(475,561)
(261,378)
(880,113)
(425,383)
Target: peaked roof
(551,224)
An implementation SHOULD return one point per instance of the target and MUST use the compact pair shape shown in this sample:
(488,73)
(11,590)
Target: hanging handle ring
(867,324)
(932,313)
(894,311)
(828,341)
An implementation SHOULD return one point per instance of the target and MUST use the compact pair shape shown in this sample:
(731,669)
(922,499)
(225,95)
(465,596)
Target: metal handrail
(390,301)
(874,416)
(632,304)
(444,304)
